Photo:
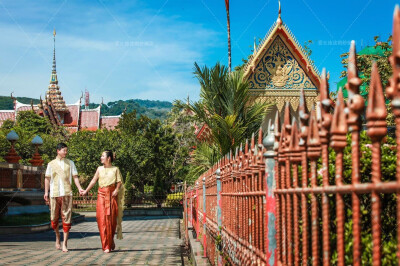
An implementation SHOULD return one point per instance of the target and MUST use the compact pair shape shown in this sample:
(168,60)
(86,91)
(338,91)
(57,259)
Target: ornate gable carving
(279,69)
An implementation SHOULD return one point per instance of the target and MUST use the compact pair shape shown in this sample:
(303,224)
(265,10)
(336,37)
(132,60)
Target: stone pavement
(147,241)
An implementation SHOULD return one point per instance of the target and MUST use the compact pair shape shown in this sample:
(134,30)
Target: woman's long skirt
(106,215)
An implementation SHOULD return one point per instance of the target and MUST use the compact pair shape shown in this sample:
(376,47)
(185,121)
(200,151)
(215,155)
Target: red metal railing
(286,208)
(229,207)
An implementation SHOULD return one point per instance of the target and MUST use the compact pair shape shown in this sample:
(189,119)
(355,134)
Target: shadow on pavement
(44,236)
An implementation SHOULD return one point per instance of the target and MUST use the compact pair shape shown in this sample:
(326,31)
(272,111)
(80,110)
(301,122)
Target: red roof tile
(109,122)
(71,118)
(25,107)
(6,114)
(90,119)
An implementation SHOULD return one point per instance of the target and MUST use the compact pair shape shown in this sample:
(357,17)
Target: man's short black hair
(61,145)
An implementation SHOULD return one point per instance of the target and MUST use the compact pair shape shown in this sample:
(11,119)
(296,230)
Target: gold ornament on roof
(278,67)
(281,76)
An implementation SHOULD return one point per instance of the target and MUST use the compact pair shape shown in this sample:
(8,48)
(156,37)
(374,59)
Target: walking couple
(110,197)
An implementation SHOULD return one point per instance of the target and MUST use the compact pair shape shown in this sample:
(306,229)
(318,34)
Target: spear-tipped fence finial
(339,124)
(376,109)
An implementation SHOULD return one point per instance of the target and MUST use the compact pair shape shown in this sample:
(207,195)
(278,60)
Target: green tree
(156,153)
(226,107)
(364,64)
(183,124)
(27,125)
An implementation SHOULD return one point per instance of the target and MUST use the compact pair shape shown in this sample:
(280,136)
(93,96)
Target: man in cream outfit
(58,179)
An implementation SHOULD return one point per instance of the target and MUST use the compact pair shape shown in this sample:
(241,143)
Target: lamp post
(12,156)
(37,159)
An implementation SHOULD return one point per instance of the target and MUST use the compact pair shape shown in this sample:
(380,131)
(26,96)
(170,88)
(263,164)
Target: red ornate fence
(17,176)
(277,203)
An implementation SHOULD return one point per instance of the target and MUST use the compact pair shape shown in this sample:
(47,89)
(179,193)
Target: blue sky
(146,48)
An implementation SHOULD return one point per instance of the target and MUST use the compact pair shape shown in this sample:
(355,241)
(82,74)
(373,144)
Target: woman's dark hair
(110,155)
(61,146)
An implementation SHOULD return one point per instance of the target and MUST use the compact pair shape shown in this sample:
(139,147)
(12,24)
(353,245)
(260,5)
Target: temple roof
(109,122)
(281,62)
(90,119)
(6,115)
(71,118)
(24,107)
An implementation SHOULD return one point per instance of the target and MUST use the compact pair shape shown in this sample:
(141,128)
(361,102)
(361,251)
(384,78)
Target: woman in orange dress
(109,209)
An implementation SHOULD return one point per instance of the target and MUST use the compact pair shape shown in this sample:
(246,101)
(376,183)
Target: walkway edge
(196,251)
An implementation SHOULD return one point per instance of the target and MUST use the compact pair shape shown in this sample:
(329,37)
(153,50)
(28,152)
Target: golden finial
(279,12)
(279,20)
(54,32)
(255,46)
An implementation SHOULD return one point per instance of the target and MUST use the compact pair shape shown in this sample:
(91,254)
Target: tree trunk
(229,39)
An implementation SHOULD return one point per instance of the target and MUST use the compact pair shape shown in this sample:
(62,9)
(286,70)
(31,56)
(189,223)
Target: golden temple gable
(280,67)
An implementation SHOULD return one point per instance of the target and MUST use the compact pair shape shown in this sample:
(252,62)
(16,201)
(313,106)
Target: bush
(174,200)
(388,202)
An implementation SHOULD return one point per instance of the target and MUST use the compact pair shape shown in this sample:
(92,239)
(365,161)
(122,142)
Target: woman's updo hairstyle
(110,155)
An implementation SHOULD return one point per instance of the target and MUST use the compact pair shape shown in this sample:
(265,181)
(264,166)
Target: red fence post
(185,204)
(219,215)
(204,219)
(304,117)
(197,212)
(270,203)
(377,129)
(338,132)
(324,125)
(356,107)
(295,159)
(313,153)
(287,129)
(393,91)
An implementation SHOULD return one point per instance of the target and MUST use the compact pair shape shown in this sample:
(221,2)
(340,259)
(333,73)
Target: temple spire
(53,92)
(54,79)
(54,51)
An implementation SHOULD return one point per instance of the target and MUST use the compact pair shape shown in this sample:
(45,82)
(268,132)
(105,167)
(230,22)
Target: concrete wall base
(196,251)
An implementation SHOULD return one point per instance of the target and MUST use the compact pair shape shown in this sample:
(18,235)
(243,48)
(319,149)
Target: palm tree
(227,109)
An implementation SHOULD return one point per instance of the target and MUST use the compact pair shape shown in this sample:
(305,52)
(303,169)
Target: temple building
(276,71)
(279,68)
(53,107)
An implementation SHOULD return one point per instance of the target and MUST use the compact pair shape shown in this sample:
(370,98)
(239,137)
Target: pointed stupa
(53,91)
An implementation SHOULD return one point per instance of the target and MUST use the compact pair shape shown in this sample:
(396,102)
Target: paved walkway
(147,241)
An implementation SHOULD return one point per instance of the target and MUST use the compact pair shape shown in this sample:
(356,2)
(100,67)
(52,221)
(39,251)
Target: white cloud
(115,56)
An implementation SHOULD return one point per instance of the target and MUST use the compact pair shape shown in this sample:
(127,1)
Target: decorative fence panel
(299,196)
(137,200)
(17,176)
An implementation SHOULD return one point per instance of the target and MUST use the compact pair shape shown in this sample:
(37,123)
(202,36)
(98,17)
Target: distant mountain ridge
(150,108)
(6,103)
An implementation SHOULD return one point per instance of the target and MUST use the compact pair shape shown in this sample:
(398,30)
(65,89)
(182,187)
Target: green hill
(6,103)
(152,109)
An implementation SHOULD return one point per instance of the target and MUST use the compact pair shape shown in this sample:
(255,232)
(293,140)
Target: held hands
(115,193)
(82,192)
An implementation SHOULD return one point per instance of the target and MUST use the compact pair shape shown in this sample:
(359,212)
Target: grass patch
(27,219)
